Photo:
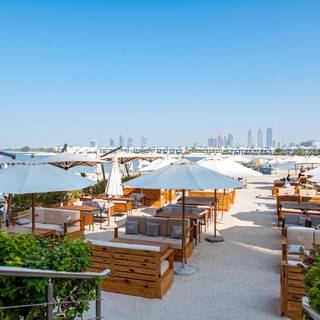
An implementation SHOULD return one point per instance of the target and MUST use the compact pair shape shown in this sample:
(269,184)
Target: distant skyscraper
(230,142)
(220,140)
(93,143)
(121,141)
(211,142)
(143,142)
(269,139)
(250,139)
(130,142)
(260,139)
(111,143)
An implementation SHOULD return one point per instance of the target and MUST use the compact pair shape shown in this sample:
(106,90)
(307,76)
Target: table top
(314,206)
(24,229)
(191,216)
(162,245)
(80,208)
(206,201)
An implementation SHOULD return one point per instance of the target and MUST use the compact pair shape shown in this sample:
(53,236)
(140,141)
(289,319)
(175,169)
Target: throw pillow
(132,227)
(22,222)
(152,229)
(302,220)
(176,232)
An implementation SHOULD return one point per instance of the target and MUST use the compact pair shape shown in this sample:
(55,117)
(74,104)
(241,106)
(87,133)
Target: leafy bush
(312,277)
(30,251)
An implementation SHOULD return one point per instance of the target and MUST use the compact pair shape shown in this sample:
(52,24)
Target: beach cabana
(184,175)
(158,164)
(38,178)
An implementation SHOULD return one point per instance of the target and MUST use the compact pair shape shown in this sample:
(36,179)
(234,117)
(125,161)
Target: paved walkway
(236,279)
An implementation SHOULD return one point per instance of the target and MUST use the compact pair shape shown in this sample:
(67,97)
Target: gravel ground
(236,279)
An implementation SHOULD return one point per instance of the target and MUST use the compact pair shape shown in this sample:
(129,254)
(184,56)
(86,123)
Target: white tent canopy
(158,164)
(114,187)
(229,168)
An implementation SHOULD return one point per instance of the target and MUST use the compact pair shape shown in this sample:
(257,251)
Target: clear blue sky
(175,71)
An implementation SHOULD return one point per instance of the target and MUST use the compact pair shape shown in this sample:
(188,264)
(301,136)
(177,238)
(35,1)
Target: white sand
(236,279)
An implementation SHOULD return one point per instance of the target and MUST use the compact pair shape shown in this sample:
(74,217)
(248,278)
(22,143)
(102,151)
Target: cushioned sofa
(63,221)
(165,233)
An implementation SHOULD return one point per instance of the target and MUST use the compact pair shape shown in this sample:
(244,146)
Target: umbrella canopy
(229,168)
(158,164)
(39,178)
(114,187)
(70,160)
(185,175)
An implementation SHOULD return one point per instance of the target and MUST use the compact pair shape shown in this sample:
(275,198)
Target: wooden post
(33,204)
(215,212)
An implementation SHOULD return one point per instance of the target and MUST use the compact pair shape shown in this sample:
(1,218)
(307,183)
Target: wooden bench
(141,269)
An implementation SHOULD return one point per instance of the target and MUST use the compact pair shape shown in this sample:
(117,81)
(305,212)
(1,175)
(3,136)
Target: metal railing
(308,310)
(36,273)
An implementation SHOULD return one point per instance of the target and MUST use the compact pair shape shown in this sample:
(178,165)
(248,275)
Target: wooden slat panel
(136,270)
(133,276)
(134,258)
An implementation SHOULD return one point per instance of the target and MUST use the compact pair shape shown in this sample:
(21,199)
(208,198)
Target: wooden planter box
(292,290)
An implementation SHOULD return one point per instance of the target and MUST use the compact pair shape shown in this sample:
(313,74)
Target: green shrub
(30,251)
(311,261)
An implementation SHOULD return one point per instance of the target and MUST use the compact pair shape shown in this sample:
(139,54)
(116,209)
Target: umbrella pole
(33,204)
(184,269)
(9,211)
(183,227)
(215,237)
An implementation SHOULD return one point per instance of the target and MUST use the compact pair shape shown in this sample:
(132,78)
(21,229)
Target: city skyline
(142,68)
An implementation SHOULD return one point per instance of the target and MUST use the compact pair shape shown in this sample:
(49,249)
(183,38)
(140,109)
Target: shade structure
(114,187)
(158,164)
(184,175)
(39,178)
(239,158)
(70,160)
(229,168)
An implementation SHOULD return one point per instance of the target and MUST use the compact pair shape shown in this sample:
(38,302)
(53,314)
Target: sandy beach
(236,279)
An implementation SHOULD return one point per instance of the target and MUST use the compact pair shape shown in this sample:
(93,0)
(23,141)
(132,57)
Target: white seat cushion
(164,267)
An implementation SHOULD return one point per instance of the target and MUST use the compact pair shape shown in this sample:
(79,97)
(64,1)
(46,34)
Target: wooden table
(193,217)
(38,231)
(86,213)
(200,202)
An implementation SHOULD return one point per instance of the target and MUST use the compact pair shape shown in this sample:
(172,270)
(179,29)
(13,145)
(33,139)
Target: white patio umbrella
(38,178)
(313,172)
(229,168)
(158,164)
(114,187)
(184,175)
